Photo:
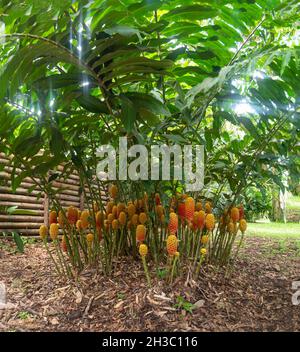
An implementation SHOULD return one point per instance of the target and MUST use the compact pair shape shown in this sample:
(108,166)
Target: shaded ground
(257,297)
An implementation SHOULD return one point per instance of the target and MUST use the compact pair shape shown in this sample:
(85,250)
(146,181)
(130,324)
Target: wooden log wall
(69,194)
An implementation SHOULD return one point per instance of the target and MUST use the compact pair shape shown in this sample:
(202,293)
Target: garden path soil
(257,297)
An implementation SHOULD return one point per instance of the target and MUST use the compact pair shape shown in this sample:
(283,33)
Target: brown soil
(257,297)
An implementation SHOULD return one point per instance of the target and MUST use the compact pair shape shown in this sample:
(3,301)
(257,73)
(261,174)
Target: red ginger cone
(173,223)
(189,208)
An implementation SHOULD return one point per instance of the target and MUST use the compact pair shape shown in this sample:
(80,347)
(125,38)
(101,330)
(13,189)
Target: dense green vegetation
(75,75)
(224,74)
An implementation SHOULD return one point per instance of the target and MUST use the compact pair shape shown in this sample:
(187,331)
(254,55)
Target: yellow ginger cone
(115,212)
(54,230)
(142,218)
(115,224)
(52,217)
(99,218)
(120,207)
(143,250)
(201,219)
(43,231)
(79,225)
(204,239)
(131,210)
(109,207)
(84,217)
(198,206)
(230,227)
(172,244)
(135,219)
(203,251)
(210,222)
(122,218)
(140,233)
(63,244)
(113,191)
(159,210)
(235,214)
(72,215)
(208,207)
(61,219)
(195,221)
(89,238)
(110,218)
(243,225)
(141,204)
(106,224)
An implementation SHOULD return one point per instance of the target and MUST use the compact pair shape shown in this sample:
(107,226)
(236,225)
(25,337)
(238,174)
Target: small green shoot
(183,304)
(24,315)
(161,273)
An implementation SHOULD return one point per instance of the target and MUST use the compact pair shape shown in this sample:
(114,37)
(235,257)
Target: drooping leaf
(19,242)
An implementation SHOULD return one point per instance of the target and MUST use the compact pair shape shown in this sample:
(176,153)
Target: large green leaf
(128,113)
(18,241)
(92,104)
(148,102)
(63,80)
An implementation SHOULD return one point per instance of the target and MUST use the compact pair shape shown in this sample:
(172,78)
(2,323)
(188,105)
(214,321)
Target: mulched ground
(257,297)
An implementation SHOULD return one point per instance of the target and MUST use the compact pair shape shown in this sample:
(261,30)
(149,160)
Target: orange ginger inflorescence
(172,244)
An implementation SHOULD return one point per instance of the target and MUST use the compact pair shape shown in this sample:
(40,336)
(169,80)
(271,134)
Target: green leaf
(148,102)
(123,30)
(193,12)
(29,146)
(92,104)
(63,80)
(175,138)
(18,241)
(128,113)
(57,142)
(145,114)
(208,139)
(22,212)
(228,116)
(248,124)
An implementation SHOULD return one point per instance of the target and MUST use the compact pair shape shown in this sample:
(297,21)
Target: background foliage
(77,74)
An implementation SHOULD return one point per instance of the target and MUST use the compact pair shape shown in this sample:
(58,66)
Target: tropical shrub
(75,75)
(162,232)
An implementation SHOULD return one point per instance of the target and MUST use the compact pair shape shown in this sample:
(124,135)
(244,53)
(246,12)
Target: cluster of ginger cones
(184,228)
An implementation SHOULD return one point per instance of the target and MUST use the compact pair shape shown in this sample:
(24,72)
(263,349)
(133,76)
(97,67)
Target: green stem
(146,271)
(52,258)
(173,269)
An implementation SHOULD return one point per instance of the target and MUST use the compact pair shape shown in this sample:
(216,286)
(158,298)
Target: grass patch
(275,230)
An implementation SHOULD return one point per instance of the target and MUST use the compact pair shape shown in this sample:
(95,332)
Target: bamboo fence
(27,198)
